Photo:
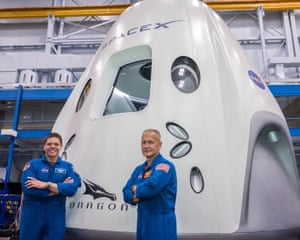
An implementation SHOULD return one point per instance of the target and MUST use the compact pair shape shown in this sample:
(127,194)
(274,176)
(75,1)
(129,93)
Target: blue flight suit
(156,189)
(43,216)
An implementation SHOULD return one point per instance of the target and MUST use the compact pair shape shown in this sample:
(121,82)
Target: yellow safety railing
(242,5)
(65,11)
(117,9)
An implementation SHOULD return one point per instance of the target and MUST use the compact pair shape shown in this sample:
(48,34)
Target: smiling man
(46,182)
(153,187)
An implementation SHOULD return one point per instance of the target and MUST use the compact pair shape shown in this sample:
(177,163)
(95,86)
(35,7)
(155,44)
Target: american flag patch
(163,166)
(74,169)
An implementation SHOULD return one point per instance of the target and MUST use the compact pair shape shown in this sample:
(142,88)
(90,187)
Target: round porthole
(67,145)
(185,74)
(83,96)
(196,180)
(273,136)
(181,149)
(177,131)
(64,155)
(70,141)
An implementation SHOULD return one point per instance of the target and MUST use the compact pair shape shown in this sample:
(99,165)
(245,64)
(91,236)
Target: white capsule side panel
(218,117)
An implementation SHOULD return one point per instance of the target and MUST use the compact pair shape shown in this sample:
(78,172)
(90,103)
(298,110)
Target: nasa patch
(45,170)
(256,79)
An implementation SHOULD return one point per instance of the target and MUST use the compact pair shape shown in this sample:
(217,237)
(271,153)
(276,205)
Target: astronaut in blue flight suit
(46,182)
(153,187)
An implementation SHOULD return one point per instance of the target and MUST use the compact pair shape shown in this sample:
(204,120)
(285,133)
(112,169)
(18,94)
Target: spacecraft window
(64,155)
(131,88)
(196,180)
(177,131)
(185,74)
(70,141)
(83,96)
(181,149)
(67,145)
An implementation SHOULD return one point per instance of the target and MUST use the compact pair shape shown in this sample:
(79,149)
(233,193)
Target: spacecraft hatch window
(181,149)
(196,180)
(83,96)
(67,145)
(131,88)
(177,131)
(185,74)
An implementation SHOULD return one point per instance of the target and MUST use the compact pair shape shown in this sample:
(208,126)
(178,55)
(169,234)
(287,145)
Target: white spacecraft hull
(226,135)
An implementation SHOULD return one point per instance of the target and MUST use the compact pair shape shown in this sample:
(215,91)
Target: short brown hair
(53,135)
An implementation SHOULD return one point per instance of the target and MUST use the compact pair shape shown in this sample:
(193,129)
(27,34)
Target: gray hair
(154,131)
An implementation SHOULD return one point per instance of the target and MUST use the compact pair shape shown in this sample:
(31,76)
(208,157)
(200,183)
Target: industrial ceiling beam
(117,9)
(65,11)
(246,5)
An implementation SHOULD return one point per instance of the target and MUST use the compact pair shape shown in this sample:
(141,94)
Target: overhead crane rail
(246,5)
(117,9)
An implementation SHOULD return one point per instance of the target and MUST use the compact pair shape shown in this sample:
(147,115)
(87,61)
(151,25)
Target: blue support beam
(288,90)
(36,94)
(295,132)
(33,133)
(281,90)
(13,138)
(30,133)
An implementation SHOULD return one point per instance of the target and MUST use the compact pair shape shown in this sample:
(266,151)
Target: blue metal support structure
(281,90)
(33,94)
(13,138)
(9,207)
(36,94)
(10,202)
(285,90)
